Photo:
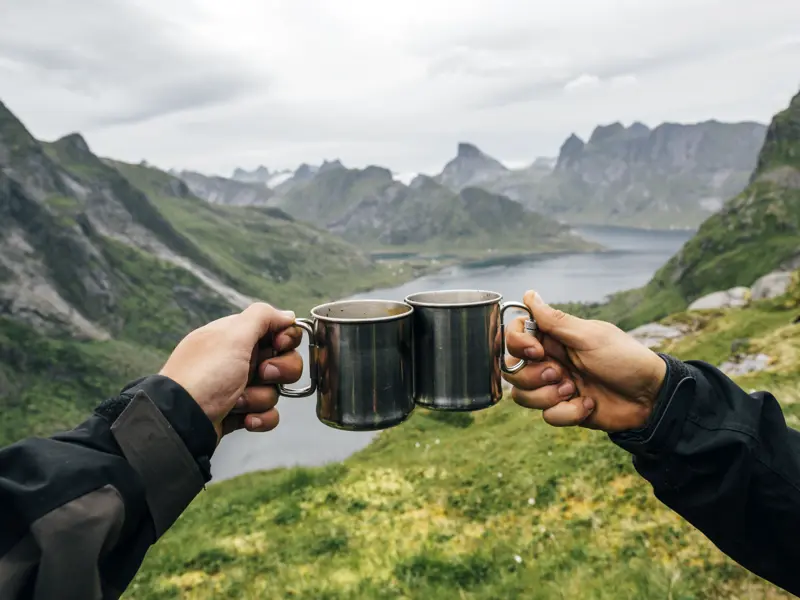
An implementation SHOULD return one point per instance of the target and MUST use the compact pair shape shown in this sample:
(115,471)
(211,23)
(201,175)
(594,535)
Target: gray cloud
(211,85)
(116,54)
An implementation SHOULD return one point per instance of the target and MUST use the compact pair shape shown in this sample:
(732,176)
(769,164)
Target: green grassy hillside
(263,251)
(490,505)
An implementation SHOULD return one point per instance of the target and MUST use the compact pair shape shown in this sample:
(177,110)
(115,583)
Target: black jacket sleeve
(727,462)
(79,510)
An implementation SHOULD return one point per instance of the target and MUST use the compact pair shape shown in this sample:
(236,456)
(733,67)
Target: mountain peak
(330,165)
(74,142)
(782,143)
(379,172)
(305,171)
(470,167)
(604,132)
(639,128)
(467,150)
(570,150)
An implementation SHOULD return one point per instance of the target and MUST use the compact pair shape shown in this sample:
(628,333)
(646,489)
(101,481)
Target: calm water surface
(302,440)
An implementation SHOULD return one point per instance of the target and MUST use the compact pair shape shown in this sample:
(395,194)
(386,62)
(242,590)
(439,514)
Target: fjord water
(632,258)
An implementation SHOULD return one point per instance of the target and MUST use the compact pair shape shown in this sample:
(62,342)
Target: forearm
(727,462)
(81,509)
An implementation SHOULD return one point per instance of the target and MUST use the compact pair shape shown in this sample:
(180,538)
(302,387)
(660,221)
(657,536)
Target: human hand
(587,373)
(232,365)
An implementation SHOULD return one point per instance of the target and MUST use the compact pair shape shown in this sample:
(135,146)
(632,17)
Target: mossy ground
(494,504)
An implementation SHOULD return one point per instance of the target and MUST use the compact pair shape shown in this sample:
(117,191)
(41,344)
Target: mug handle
(308,326)
(530,327)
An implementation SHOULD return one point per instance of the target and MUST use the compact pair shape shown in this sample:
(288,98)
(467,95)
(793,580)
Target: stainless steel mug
(361,363)
(459,348)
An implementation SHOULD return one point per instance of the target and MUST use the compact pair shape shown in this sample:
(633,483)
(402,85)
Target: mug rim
(315,311)
(498,297)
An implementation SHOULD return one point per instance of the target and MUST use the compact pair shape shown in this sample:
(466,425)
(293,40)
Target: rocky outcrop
(732,298)
(742,365)
(771,285)
(655,334)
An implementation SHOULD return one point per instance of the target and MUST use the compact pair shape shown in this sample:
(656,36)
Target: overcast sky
(212,84)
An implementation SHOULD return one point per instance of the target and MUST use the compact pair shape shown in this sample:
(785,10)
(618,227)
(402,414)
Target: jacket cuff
(669,413)
(179,408)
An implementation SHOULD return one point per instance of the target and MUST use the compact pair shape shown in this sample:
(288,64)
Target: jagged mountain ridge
(756,231)
(230,192)
(370,206)
(262,175)
(672,175)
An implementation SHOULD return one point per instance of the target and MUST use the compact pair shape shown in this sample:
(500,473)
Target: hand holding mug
(232,365)
(586,373)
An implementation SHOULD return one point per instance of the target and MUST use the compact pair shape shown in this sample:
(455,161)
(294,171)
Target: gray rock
(752,363)
(653,334)
(771,286)
(734,297)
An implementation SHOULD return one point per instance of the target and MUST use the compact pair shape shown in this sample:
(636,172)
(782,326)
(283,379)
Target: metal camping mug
(459,348)
(361,363)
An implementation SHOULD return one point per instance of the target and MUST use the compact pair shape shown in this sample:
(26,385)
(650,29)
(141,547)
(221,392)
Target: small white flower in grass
(499,475)
(417,445)
(542,529)
(437,441)
(549,453)
(517,559)
(531,501)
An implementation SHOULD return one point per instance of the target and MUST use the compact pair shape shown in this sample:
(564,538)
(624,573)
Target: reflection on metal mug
(459,348)
(361,363)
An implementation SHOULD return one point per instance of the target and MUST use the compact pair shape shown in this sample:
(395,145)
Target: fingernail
(240,402)
(550,375)
(531,352)
(269,372)
(255,422)
(566,389)
(289,314)
(588,404)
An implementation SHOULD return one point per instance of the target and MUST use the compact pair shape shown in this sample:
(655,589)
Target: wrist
(647,403)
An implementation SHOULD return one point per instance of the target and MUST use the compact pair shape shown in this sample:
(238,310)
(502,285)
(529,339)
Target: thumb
(567,329)
(260,318)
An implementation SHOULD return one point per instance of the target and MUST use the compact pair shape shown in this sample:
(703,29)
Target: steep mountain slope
(755,232)
(105,266)
(219,190)
(369,206)
(671,176)
(264,251)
